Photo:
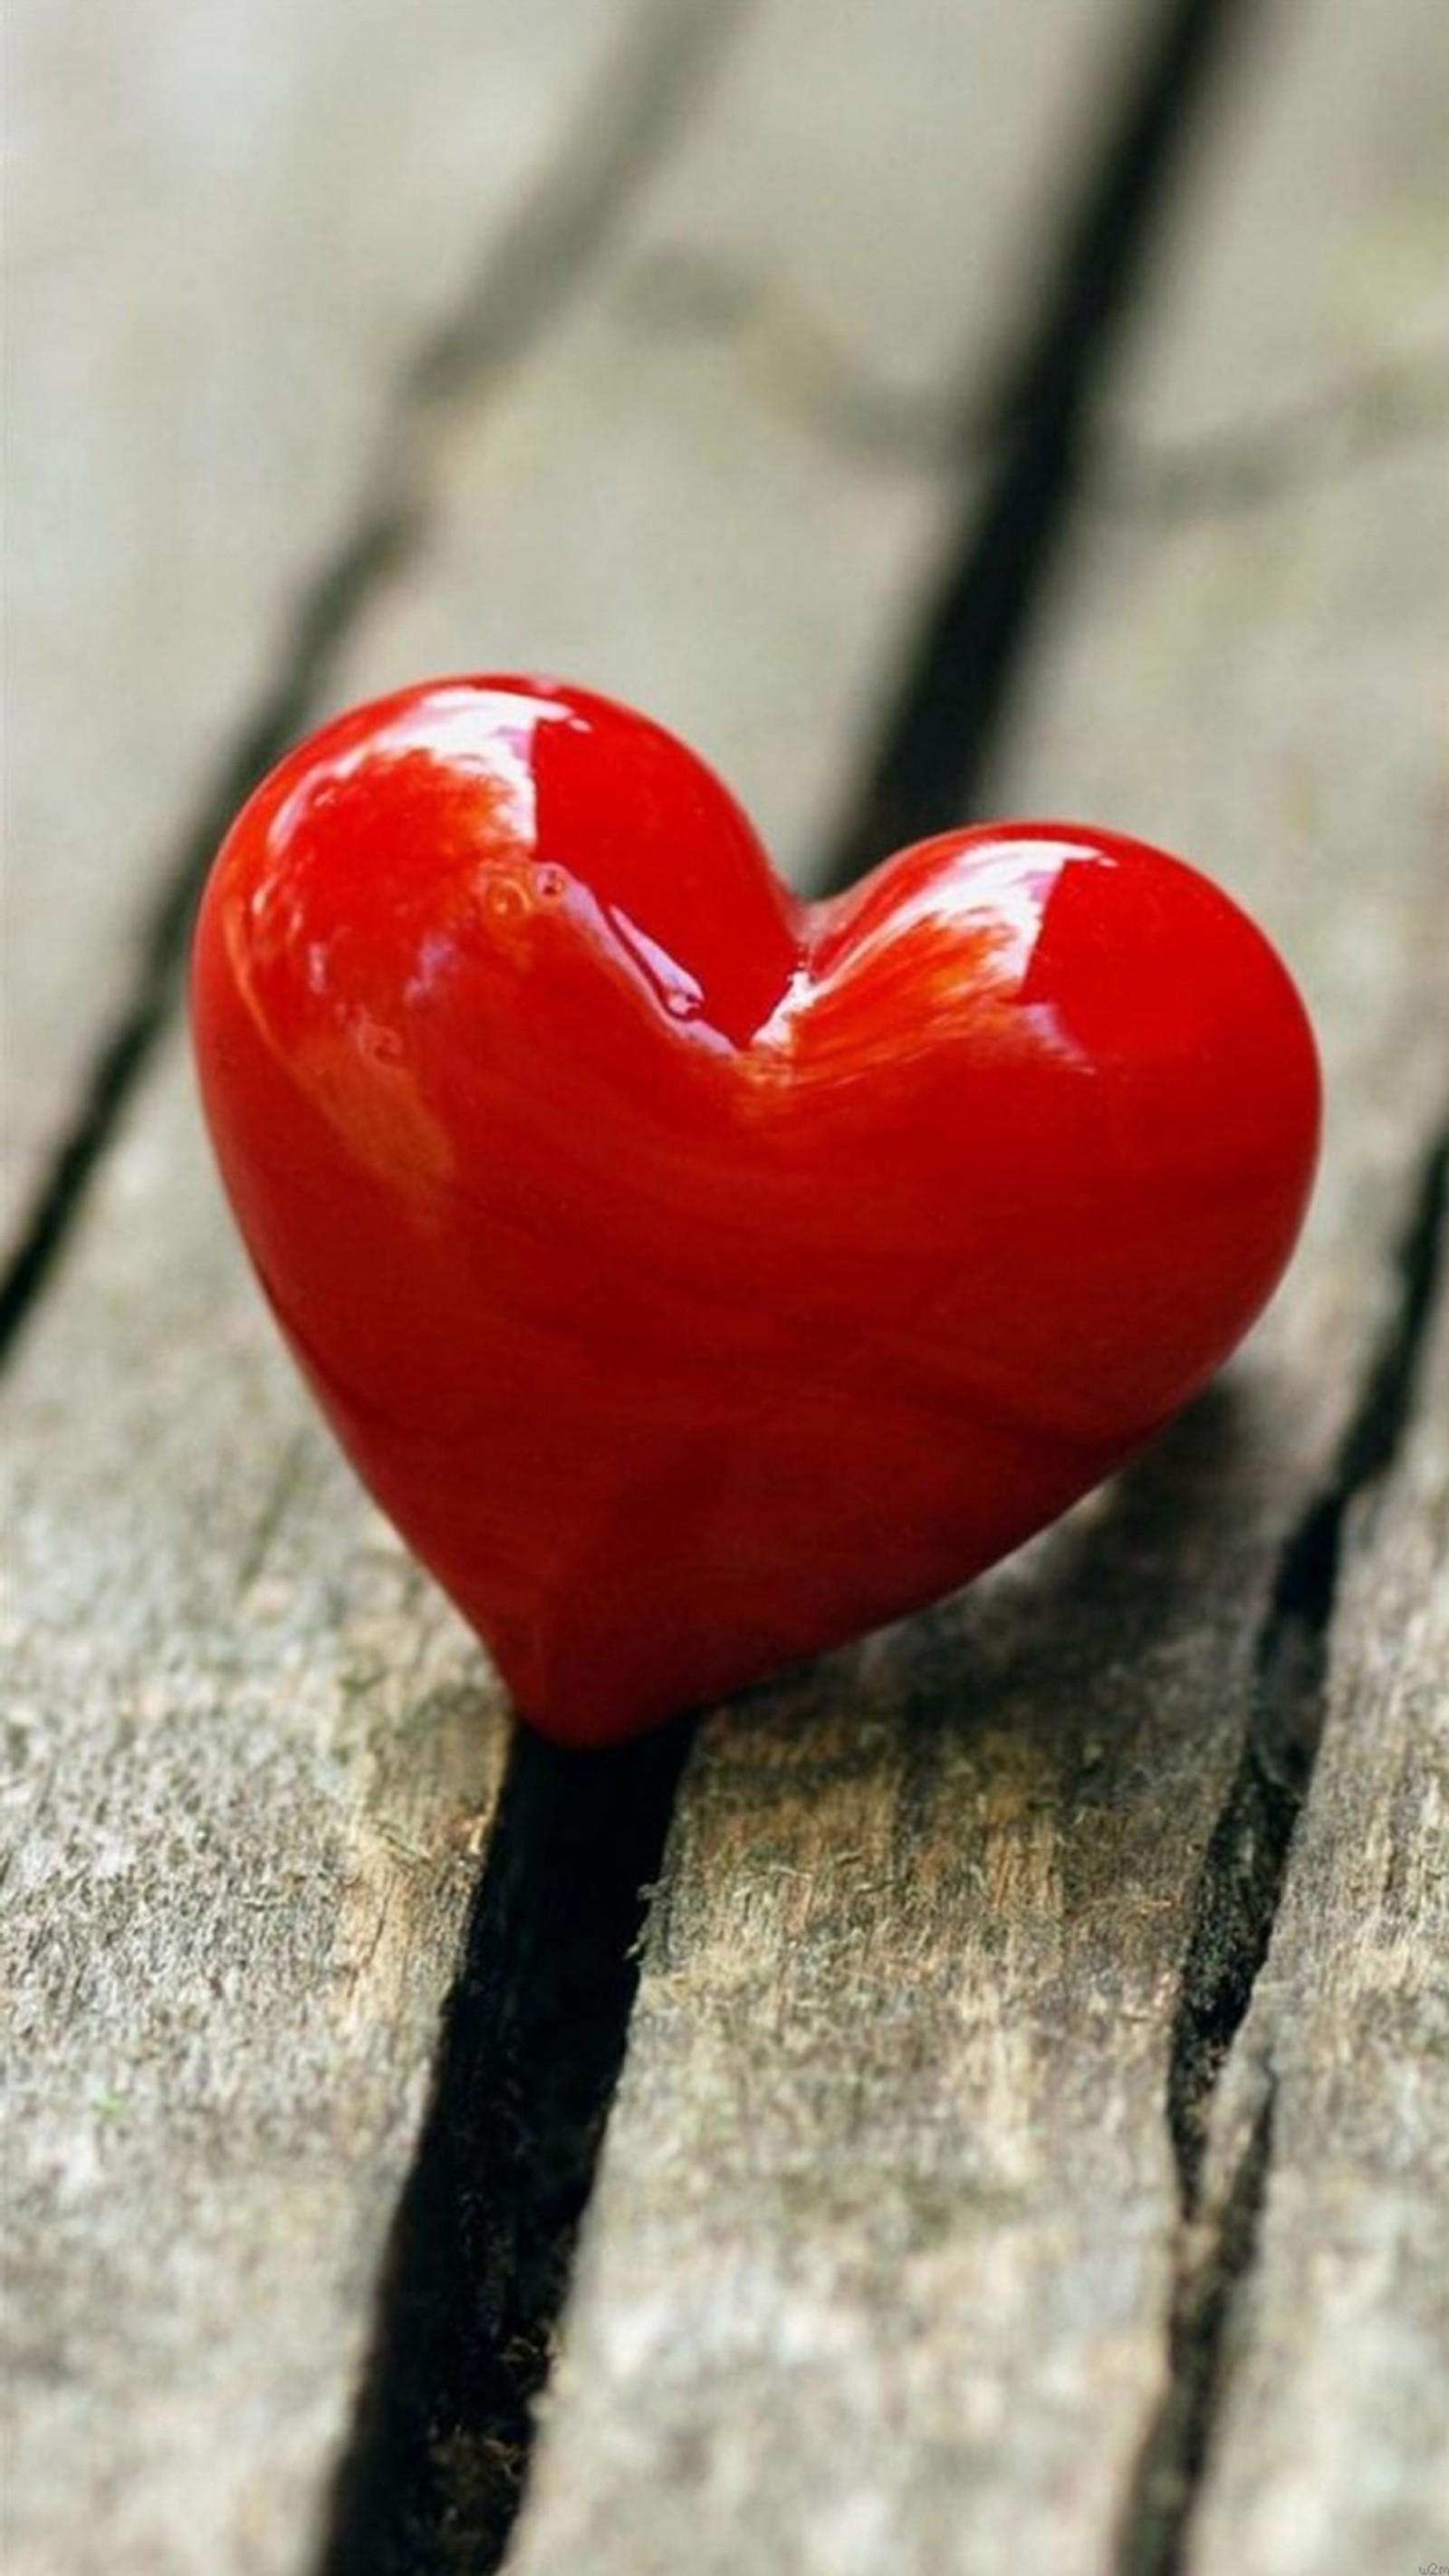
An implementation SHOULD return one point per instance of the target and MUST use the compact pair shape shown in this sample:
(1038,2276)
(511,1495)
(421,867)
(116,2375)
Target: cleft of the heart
(696,1276)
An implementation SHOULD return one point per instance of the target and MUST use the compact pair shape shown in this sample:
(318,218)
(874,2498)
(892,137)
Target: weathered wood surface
(252,1755)
(1334,2449)
(930,2233)
(230,229)
(251,1758)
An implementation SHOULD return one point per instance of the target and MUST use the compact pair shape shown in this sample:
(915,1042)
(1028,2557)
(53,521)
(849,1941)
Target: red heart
(697,1277)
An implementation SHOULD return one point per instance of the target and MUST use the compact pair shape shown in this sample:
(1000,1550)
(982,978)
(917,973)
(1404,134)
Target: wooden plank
(1333,2454)
(252,1755)
(221,2086)
(229,226)
(889,2233)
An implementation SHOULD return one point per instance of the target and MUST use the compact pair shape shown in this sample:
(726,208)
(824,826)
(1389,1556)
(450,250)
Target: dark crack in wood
(482,2243)
(1401,400)
(1247,1858)
(1214,2260)
(1249,465)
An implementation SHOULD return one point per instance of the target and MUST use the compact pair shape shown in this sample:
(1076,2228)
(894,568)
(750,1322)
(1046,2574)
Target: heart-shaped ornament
(696,1276)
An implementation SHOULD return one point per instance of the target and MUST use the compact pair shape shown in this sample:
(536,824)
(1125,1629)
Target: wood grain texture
(252,1758)
(893,2229)
(1333,2454)
(229,225)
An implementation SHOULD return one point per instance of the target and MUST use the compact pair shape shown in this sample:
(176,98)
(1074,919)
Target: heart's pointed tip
(579,1731)
(601,1717)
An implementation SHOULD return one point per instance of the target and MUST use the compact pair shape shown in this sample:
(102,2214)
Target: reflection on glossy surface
(696,1276)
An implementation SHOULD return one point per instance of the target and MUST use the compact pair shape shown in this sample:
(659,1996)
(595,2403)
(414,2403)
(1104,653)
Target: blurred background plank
(231,230)
(253,1754)
(675,502)
(925,2212)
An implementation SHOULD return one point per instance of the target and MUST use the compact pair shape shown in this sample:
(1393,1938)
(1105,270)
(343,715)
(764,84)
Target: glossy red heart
(697,1277)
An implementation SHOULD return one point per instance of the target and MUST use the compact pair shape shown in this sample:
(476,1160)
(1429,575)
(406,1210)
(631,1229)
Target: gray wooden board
(884,2248)
(228,224)
(251,1758)
(249,1749)
(1333,2455)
